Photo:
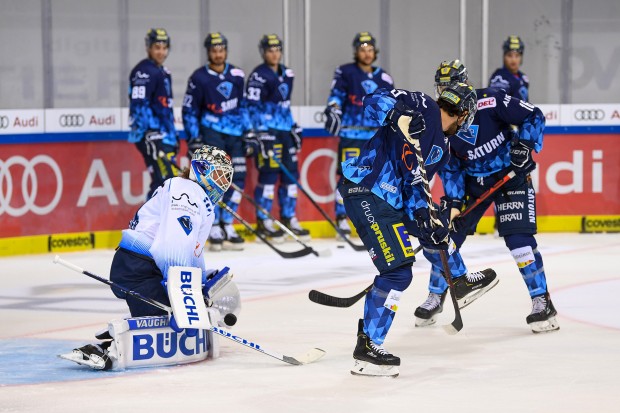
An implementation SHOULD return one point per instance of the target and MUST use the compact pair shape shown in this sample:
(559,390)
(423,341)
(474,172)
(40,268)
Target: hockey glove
(450,209)
(250,143)
(193,144)
(296,133)
(333,120)
(434,233)
(416,125)
(521,157)
(260,143)
(189,332)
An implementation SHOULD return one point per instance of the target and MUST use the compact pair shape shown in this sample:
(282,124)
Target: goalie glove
(333,120)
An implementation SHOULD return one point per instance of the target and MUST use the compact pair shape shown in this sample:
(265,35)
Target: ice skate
(472,286)
(427,313)
(232,241)
(94,356)
(293,224)
(216,238)
(267,228)
(542,318)
(371,359)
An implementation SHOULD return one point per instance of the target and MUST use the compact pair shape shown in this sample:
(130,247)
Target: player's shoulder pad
(235,71)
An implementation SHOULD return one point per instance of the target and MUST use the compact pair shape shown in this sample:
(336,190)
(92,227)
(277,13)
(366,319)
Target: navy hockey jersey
(485,149)
(516,85)
(269,98)
(215,101)
(349,86)
(387,164)
(150,102)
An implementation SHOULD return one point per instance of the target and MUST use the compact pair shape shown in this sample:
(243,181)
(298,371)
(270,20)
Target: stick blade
(455,327)
(308,357)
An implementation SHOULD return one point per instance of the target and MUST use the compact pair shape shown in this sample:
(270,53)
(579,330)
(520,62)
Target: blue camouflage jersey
(485,150)
(215,101)
(269,98)
(349,87)
(150,102)
(387,164)
(516,85)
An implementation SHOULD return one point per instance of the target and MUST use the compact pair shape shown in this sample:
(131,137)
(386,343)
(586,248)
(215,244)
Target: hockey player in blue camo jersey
(150,110)
(214,114)
(481,157)
(344,114)
(268,91)
(170,229)
(385,199)
(510,78)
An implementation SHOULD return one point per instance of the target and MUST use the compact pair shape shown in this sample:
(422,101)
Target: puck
(230,319)
(340,246)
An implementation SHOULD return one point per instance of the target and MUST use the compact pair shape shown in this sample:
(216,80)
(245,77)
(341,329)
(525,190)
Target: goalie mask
(449,72)
(212,169)
(462,97)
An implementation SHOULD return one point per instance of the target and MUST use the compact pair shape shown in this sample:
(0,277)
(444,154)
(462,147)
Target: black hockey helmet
(268,41)
(449,72)
(460,98)
(514,44)
(158,35)
(215,39)
(362,38)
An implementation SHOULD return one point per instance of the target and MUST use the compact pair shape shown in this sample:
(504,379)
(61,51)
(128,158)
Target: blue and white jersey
(269,98)
(387,164)
(348,89)
(150,102)
(485,150)
(172,226)
(215,101)
(516,85)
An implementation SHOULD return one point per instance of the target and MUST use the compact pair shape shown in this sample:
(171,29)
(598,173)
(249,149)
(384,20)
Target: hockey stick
(342,302)
(324,253)
(489,192)
(305,358)
(333,224)
(295,254)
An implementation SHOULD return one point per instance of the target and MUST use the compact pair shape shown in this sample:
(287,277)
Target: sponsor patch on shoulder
(486,103)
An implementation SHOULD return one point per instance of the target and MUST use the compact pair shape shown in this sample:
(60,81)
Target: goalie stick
(288,173)
(324,253)
(284,254)
(305,358)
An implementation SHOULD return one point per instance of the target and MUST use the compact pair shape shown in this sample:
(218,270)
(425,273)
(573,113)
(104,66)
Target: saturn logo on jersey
(186,224)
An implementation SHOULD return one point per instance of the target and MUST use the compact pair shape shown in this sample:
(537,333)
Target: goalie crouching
(160,258)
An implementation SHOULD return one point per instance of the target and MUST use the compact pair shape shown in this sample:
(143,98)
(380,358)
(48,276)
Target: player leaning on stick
(150,110)
(480,157)
(170,229)
(384,196)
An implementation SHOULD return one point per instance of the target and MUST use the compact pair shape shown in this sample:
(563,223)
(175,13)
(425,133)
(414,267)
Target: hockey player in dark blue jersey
(344,114)
(510,78)
(214,114)
(384,197)
(150,110)
(481,157)
(269,88)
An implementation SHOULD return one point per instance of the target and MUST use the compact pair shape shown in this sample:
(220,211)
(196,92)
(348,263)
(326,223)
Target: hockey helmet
(362,38)
(448,72)
(514,44)
(269,41)
(212,169)
(215,39)
(157,36)
(462,98)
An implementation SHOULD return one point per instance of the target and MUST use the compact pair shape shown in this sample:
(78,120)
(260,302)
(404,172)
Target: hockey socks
(379,310)
(531,267)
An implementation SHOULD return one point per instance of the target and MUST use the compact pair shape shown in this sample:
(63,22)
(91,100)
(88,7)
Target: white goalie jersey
(172,226)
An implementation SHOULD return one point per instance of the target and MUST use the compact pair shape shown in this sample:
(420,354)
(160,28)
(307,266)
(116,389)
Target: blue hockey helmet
(269,41)
(514,44)
(460,98)
(158,35)
(213,170)
(215,39)
(449,72)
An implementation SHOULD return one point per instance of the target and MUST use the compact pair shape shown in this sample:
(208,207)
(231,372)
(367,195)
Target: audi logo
(319,117)
(71,120)
(29,185)
(4,122)
(589,114)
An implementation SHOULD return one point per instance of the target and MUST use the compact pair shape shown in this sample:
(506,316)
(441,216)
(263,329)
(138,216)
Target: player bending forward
(385,198)
(169,230)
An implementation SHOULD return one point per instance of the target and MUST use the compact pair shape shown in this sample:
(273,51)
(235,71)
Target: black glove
(416,125)
(194,144)
(448,209)
(296,133)
(521,157)
(258,143)
(333,120)
(433,232)
(250,143)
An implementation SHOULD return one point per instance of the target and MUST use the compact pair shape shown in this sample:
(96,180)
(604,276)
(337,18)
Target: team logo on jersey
(523,92)
(184,195)
(470,135)
(369,86)
(403,239)
(283,89)
(225,89)
(434,156)
(186,224)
